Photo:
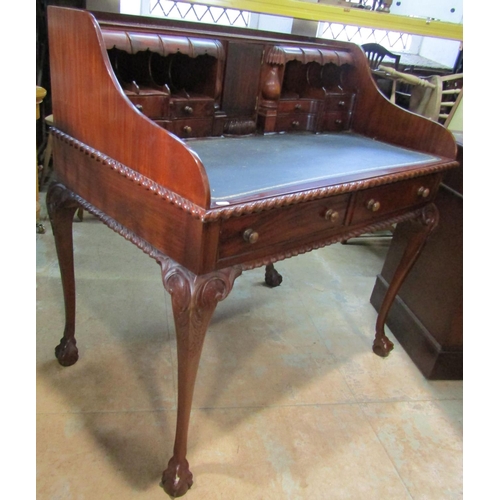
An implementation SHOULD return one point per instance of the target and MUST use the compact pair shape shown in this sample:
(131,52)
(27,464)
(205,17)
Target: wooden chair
(376,53)
(435,97)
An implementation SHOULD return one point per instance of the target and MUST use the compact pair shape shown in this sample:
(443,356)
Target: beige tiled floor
(290,402)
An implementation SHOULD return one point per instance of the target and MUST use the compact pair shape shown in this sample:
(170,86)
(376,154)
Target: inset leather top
(246,167)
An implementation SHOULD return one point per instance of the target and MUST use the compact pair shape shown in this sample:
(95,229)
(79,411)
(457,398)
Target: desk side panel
(167,227)
(89,105)
(376,117)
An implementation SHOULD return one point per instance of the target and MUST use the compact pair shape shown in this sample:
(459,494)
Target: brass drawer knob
(187,129)
(331,215)
(188,110)
(250,236)
(298,107)
(373,205)
(423,191)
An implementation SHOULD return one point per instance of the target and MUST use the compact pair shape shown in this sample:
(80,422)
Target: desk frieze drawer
(253,232)
(375,202)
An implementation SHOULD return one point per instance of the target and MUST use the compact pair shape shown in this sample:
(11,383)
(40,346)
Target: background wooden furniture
(426,316)
(40,94)
(436,97)
(216,150)
(376,54)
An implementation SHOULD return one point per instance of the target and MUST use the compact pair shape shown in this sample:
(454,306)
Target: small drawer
(339,102)
(296,121)
(189,128)
(298,106)
(335,122)
(373,203)
(252,233)
(153,106)
(190,108)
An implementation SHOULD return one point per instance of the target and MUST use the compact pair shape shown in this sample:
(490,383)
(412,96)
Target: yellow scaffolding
(353,16)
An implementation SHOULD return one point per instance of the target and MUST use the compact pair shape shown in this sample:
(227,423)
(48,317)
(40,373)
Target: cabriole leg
(61,207)
(429,218)
(194,299)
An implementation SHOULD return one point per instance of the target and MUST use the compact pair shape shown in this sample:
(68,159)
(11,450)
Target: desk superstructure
(217,150)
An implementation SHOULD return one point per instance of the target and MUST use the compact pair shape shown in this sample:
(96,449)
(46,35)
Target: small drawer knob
(338,121)
(139,107)
(188,110)
(373,205)
(250,236)
(341,104)
(331,215)
(295,123)
(187,129)
(298,107)
(423,192)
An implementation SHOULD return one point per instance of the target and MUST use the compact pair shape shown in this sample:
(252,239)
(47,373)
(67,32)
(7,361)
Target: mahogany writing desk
(217,150)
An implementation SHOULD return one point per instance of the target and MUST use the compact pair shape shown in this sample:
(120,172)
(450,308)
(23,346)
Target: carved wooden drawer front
(279,226)
(190,108)
(373,203)
(189,128)
(296,121)
(298,106)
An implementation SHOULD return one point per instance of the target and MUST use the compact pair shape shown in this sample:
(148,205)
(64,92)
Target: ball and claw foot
(272,277)
(382,346)
(177,478)
(67,352)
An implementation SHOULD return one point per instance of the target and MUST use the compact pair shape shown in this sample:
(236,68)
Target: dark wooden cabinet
(426,316)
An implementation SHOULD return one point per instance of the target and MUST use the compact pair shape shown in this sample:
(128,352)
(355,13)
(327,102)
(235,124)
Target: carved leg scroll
(429,218)
(61,207)
(194,299)
(272,277)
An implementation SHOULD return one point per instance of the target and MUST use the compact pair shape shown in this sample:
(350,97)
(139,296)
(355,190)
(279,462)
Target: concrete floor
(290,401)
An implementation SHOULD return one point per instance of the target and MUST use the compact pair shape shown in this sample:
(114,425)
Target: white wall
(437,49)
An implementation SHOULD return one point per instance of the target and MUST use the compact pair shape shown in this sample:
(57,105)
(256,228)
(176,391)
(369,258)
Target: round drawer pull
(331,215)
(341,104)
(298,107)
(338,121)
(250,236)
(187,129)
(423,191)
(373,205)
(188,110)
(139,107)
(295,123)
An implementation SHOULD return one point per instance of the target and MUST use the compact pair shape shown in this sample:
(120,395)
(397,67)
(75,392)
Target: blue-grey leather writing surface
(241,167)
